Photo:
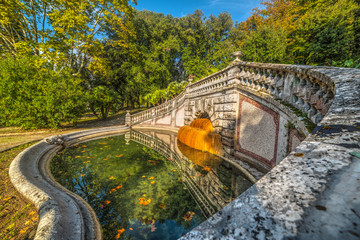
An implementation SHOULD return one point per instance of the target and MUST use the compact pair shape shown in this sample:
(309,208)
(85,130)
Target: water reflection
(147,185)
(213,182)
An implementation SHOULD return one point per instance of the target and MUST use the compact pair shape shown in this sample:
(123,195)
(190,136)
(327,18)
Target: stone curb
(63,215)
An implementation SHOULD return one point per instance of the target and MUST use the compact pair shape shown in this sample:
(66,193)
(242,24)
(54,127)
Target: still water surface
(138,193)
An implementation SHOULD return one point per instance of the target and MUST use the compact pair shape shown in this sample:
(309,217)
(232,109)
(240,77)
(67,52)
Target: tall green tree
(32,95)
(64,32)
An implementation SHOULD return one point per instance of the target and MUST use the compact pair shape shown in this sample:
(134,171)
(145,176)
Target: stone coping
(63,214)
(314,192)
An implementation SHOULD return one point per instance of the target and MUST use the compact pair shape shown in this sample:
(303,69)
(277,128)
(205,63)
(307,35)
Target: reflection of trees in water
(211,182)
(117,210)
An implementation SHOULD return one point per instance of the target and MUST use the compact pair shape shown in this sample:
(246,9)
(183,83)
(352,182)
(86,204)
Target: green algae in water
(137,193)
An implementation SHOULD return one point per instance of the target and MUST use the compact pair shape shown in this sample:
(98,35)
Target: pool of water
(147,185)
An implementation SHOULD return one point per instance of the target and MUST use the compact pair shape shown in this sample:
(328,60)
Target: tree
(266,44)
(64,32)
(32,95)
(102,100)
(327,33)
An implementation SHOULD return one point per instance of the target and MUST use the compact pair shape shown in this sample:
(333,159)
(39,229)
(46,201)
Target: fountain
(201,136)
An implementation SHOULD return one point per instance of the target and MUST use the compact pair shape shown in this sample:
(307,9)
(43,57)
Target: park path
(13,137)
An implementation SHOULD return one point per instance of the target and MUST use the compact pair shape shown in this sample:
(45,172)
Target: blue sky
(239,9)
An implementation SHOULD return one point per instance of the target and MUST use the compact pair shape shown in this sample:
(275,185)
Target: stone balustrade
(308,91)
(160,110)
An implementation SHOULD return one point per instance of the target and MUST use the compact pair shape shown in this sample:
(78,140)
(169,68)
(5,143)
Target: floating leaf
(143,201)
(188,216)
(299,154)
(207,168)
(119,232)
(106,202)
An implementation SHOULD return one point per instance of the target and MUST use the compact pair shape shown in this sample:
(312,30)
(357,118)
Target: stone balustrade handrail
(156,111)
(308,90)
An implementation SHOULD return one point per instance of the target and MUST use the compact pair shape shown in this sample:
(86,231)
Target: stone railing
(157,111)
(308,91)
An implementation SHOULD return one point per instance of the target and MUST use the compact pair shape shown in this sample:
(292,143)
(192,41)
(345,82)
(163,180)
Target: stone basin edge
(62,214)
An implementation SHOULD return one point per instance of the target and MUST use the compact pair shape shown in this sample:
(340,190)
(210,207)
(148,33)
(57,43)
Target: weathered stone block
(227,142)
(229,124)
(228,133)
(228,107)
(231,98)
(229,116)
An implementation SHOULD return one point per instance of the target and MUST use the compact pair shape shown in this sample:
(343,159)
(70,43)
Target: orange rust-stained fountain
(200,135)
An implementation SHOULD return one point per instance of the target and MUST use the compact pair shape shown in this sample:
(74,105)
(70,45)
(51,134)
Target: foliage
(102,100)
(65,32)
(168,50)
(159,95)
(326,33)
(33,98)
(266,44)
(317,32)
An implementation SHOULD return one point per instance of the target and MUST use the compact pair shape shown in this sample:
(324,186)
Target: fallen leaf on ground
(32,213)
(23,230)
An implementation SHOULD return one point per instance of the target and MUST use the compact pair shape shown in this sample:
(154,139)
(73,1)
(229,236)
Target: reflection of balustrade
(308,91)
(206,190)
